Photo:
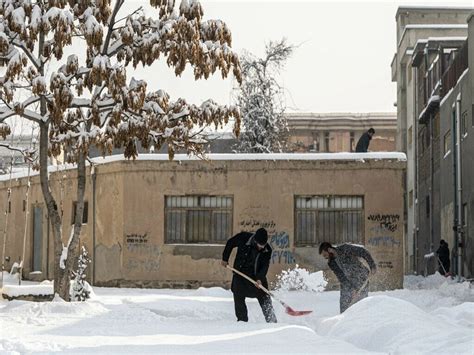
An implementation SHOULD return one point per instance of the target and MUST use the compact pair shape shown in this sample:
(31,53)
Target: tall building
(428,42)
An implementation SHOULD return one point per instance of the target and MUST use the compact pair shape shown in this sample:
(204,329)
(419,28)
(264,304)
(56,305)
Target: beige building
(339,132)
(156,223)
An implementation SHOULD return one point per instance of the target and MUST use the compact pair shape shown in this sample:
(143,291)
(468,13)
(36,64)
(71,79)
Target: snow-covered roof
(265,157)
(436,25)
(360,157)
(343,115)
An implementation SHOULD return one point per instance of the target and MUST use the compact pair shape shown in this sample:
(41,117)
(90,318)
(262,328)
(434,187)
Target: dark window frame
(184,216)
(331,218)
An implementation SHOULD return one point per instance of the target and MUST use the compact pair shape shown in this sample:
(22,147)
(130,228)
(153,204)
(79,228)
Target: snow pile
(443,286)
(24,290)
(10,278)
(300,279)
(387,324)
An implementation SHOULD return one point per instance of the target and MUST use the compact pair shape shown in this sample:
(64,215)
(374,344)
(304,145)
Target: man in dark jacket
(443,257)
(351,273)
(364,141)
(252,259)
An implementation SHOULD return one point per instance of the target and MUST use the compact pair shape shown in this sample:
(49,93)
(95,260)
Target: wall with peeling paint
(129,216)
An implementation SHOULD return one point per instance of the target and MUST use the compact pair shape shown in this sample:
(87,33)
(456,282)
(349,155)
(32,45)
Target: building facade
(340,132)
(156,223)
(429,41)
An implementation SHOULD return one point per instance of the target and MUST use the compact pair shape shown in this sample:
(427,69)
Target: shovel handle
(249,279)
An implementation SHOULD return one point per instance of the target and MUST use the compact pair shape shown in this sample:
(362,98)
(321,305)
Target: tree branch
(28,53)
(117,7)
(27,153)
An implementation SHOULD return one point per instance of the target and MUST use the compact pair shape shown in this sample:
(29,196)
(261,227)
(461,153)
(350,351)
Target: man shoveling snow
(351,273)
(252,259)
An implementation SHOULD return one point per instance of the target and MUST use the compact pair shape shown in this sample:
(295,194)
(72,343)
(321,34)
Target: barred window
(198,219)
(334,219)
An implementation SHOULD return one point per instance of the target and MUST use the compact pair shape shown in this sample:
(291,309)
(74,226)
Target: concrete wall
(129,218)
(465,90)
(425,19)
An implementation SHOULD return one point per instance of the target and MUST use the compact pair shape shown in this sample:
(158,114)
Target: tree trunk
(51,205)
(73,243)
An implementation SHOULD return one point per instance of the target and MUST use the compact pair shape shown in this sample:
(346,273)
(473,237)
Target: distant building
(339,132)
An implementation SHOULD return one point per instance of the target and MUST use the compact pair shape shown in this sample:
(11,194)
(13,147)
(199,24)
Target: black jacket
(349,270)
(443,254)
(363,143)
(249,260)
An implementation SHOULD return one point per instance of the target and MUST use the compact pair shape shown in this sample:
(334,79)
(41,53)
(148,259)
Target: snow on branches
(85,101)
(261,101)
(94,103)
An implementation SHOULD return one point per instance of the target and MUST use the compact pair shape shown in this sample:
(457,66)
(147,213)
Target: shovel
(288,309)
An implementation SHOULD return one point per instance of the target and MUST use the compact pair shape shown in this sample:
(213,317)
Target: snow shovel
(357,295)
(288,309)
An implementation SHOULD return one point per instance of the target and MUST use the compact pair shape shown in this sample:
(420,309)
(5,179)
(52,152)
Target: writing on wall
(141,256)
(385,264)
(386,241)
(281,253)
(136,238)
(252,224)
(385,222)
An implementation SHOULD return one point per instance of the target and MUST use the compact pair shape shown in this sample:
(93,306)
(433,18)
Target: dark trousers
(265,303)
(346,296)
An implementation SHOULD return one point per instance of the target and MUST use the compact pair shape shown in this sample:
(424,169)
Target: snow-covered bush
(80,289)
(301,279)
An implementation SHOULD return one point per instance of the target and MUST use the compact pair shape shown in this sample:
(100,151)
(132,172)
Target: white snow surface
(430,315)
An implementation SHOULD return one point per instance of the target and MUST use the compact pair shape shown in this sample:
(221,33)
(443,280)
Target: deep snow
(431,315)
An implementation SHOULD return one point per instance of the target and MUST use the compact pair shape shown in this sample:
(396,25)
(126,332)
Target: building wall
(414,24)
(129,217)
(464,89)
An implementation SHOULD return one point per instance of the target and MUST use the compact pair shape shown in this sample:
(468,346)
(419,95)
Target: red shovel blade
(294,313)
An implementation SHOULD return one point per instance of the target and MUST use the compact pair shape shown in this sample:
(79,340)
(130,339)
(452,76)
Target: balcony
(454,71)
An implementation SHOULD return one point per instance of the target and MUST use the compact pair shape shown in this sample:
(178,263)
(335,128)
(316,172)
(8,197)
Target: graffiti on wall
(137,238)
(385,264)
(386,241)
(281,254)
(141,256)
(258,216)
(385,222)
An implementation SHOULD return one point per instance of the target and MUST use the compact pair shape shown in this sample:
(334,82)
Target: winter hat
(261,236)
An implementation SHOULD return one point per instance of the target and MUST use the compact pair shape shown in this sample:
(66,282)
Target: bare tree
(261,100)
(92,103)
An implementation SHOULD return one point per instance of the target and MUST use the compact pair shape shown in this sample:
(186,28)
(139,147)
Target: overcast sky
(342,63)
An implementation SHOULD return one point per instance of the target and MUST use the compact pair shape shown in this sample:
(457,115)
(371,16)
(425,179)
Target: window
(410,198)
(436,126)
(464,215)
(335,219)
(198,219)
(326,141)
(85,212)
(472,115)
(464,124)
(352,142)
(428,207)
(410,134)
(447,143)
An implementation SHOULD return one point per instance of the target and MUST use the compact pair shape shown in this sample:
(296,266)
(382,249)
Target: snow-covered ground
(428,316)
